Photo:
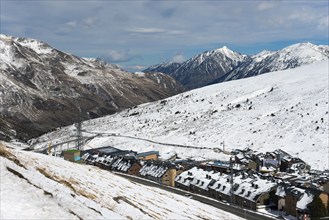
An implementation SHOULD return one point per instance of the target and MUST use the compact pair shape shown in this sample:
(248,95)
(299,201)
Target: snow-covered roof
(244,186)
(122,164)
(247,187)
(187,176)
(205,178)
(240,156)
(295,191)
(304,196)
(223,184)
(251,188)
(305,200)
(225,164)
(156,170)
(100,159)
(280,191)
(167,156)
(85,156)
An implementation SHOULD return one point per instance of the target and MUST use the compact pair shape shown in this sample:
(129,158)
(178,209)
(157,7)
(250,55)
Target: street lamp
(231,179)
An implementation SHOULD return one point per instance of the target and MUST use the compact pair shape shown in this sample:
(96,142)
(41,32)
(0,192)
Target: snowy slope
(285,109)
(35,186)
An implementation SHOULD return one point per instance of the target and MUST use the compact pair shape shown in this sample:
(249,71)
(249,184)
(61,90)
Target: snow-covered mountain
(285,109)
(268,61)
(36,186)
(224,65)
(42,88)
(201,69)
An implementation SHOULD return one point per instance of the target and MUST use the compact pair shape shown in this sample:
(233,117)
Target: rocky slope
(42,88)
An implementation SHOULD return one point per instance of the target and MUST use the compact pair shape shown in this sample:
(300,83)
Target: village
(249,179)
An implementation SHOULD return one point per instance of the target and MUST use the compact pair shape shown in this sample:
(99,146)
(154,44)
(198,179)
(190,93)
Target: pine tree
(317,208)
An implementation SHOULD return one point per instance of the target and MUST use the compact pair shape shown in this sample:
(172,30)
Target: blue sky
(136,34)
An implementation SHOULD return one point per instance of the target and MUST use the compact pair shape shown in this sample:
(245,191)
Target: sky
(135,34)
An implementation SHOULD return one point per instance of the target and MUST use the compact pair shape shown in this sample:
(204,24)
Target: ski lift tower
(79,132)
(78,135)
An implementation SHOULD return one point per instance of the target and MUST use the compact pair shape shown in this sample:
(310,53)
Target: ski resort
(160,110)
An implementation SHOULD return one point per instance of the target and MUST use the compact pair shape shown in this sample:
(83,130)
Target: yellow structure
(324,198)
(72,155)
(169,177)
(149,155)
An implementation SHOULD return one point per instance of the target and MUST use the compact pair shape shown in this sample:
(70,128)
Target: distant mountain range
(42,88)
(223,64)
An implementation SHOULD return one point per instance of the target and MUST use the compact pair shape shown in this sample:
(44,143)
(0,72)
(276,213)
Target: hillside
(42,88)
(36,186)
(285,109)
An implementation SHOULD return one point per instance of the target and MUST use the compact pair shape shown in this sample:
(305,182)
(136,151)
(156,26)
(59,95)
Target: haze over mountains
(42,88)
(223,64)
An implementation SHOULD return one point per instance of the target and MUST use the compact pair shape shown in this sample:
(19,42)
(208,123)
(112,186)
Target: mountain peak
(300,46)
(4,36)
(230,53)
(225,48)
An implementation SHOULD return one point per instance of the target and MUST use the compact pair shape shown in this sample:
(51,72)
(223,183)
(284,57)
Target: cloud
(89,22)
(323,23)
(122,30)
(137,67)
(265,5)
(154,31)
(146,30)
(178,58)
(115,56)
(167,13)
(71,24)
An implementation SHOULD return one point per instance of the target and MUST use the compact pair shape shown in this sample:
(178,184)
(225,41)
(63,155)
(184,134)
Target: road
(114,135)
(247,214)
(148,140)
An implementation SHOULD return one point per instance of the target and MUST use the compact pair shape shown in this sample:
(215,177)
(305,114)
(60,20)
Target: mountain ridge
(202,68)
(238,65)
(43,88)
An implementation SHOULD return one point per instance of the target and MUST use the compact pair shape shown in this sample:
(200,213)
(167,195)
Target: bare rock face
(42,88)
